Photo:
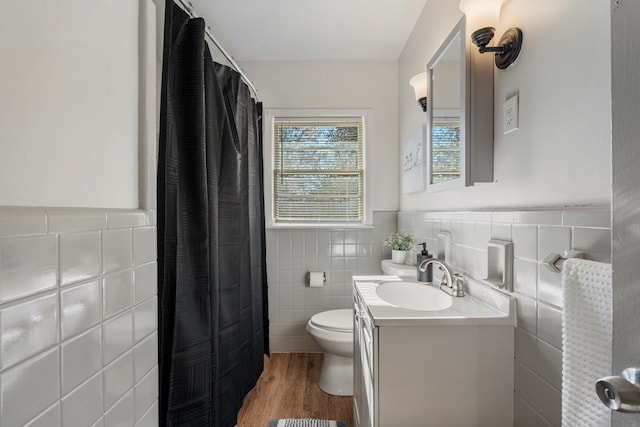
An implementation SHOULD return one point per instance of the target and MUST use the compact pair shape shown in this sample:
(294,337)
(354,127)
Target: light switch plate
(510,114)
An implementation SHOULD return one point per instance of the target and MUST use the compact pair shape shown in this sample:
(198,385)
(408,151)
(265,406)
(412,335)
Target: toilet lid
(334,320)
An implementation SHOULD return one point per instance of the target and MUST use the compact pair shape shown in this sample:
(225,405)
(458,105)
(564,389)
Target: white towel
(586,341)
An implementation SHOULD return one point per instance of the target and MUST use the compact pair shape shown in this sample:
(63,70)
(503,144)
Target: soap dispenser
(424,276)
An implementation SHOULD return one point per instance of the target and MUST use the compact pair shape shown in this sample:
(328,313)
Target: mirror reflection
(446,107)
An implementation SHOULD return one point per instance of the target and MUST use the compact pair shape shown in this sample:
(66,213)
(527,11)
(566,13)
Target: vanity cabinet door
(358,379)
(363,403)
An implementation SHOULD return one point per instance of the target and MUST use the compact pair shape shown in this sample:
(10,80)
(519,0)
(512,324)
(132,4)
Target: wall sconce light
(486,12)
(419,83)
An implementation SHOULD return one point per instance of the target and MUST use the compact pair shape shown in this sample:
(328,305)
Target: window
(445,151)
(318,173)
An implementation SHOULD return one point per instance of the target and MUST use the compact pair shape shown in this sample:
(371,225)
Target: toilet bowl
(333,331)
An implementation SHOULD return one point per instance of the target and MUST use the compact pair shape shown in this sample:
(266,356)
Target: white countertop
(494,308)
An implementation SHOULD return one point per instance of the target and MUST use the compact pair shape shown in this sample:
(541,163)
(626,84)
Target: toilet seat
(334,320)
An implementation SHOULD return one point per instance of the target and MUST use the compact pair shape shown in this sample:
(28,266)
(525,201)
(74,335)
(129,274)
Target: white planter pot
(398,257)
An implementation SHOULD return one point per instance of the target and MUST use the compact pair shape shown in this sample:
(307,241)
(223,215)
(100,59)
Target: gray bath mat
(307,422)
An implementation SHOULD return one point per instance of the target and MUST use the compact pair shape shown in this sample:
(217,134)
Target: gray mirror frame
(476,114)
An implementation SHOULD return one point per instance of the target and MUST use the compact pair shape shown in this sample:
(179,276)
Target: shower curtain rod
(188,7)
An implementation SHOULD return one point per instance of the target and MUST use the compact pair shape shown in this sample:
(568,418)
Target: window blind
(318,171)
(445,151)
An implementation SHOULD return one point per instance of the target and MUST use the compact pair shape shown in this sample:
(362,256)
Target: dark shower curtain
(212,289)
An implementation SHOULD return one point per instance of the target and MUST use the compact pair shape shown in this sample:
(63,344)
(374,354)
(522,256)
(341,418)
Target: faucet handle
(443,280)
(457,285)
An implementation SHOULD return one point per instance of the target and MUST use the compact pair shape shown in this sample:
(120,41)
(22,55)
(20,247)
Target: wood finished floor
(288,388)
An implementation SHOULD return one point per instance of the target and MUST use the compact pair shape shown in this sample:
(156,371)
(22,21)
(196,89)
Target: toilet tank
(390,268)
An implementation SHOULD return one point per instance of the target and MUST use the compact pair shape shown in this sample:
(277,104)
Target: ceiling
(310,29)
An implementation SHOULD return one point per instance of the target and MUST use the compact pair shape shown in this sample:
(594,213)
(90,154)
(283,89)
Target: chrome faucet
(451,282)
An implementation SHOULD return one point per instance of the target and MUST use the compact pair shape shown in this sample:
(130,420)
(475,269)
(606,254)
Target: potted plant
(400,244)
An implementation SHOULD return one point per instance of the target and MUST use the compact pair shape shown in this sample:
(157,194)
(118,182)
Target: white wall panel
(69,110)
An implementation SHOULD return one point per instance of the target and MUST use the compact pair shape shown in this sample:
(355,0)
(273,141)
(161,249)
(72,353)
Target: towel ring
(555,262)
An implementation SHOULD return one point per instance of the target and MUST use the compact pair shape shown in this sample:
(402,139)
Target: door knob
(621,393)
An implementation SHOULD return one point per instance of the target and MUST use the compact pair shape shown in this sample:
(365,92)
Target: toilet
(333,331)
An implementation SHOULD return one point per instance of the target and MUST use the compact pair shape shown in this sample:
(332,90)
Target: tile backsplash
(78,310)
(339,252)
(538,291)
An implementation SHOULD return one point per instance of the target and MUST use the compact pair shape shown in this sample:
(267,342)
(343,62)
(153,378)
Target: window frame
(273,114)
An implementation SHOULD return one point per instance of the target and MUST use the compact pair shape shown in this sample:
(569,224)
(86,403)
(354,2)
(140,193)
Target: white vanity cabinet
(410,371)
(363,371)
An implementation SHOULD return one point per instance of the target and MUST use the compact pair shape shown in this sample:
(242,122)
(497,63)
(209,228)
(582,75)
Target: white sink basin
(414,296)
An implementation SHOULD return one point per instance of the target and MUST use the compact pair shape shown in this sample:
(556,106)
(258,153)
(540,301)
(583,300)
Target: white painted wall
(342,85)
(69,103)
(561,155)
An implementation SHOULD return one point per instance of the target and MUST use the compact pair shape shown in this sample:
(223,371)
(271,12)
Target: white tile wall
(84,405)
(121,413)
(145,394)
(49,418)
(81,358)
(25,336)
(535,233)
(79,256)
(28,265)
(339,252)
(118,335)
(61,220)
(118,378)
(116,250)
(78,328)
(117,292)
(81,308)
(145,281)
(145,356)
(144,245)
(542,396)
(30,388)
(149,418)
(16,221)
(145,318)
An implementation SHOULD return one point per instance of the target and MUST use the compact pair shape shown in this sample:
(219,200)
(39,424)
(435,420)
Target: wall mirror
(460,115)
